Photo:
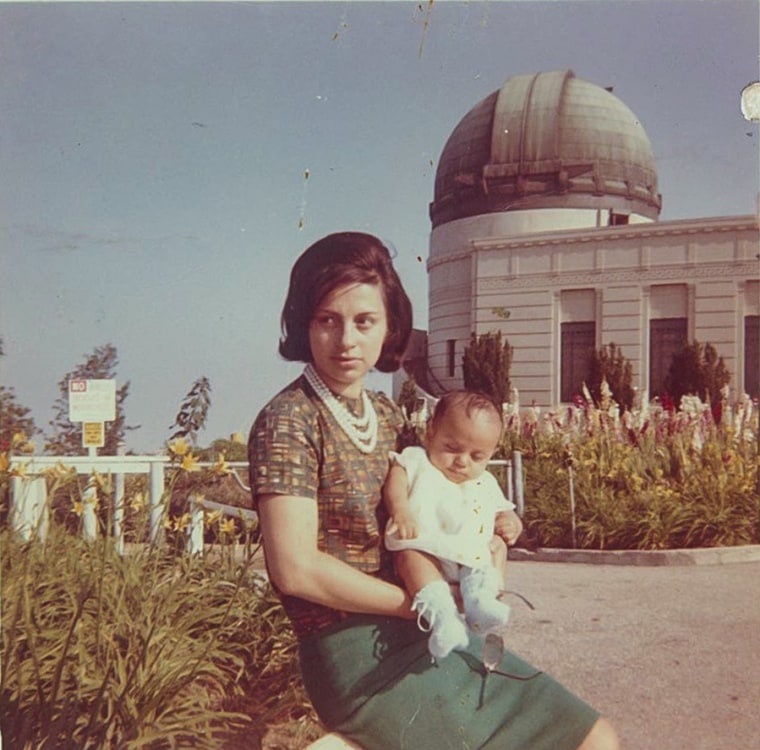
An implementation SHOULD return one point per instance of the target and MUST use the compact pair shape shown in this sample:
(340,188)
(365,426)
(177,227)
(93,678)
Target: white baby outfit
(455,524)
(454,521)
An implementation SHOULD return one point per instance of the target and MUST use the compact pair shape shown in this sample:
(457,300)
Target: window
(752,355)
(667,336)
(578,341)
(617,220)
(451,356)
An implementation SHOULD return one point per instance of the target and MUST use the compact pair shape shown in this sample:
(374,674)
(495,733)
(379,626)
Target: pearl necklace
(361,431)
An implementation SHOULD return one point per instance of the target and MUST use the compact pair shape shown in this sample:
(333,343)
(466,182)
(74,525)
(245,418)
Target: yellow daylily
(78,506)
(227,526)
(180,447)
(137,501)
(220,466)
(190,463)
(59,472)
(102,481)
(181,523)
(19,438)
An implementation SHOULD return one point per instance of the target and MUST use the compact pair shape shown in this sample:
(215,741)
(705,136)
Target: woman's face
(346,336)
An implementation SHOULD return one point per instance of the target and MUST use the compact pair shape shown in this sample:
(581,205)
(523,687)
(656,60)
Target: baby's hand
(508,526)
(403,525)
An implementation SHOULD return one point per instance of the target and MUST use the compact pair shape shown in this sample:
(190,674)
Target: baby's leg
(416,569)
(433,602)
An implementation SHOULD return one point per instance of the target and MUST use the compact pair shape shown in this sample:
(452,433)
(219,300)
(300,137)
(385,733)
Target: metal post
(519,489)
(510,482)
(118,503)
(156,501)
(572,503)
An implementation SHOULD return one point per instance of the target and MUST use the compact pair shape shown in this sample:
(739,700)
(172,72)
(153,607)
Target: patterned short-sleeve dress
(369,677)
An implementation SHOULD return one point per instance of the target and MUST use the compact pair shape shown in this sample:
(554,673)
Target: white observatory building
(545,227)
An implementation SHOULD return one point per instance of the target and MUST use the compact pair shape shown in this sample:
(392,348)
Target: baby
(444,508)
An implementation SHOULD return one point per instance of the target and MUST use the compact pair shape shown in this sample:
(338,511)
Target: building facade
(545,227)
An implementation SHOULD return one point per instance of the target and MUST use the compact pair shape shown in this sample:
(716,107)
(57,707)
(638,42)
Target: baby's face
(460,446)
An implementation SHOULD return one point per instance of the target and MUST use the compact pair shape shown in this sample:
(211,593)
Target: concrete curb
(698,556)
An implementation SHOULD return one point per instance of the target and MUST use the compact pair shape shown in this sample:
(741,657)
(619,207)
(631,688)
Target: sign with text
(93,434)
(92,400)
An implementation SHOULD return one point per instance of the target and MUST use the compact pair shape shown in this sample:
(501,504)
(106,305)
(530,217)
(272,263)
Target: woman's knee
(601,737)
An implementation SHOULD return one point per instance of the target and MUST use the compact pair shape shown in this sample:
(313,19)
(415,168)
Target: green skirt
(373,680)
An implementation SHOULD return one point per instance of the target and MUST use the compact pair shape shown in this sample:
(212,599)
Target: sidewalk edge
(698,556)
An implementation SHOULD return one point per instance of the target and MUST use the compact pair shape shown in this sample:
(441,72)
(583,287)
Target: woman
(318,454)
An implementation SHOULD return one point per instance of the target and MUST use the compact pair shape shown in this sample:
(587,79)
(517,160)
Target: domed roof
(546,140)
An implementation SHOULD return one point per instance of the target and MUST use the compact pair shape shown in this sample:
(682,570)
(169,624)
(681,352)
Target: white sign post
(92,402)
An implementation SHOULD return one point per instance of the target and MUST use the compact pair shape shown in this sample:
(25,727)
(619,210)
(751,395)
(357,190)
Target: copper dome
(546,140)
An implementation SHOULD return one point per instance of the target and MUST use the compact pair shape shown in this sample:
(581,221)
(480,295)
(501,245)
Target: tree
(14,419)
(191,418)
(486,364)
(609,364)
(66,438)
(407,398)
(697,370)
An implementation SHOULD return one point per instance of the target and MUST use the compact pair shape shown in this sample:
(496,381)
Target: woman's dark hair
(334,261)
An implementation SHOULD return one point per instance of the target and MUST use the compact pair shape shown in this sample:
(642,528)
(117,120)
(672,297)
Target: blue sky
(153,162)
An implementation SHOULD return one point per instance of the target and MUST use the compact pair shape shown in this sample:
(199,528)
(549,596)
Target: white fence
(29,508)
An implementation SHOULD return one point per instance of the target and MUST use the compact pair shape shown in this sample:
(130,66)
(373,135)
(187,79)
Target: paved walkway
(671,654)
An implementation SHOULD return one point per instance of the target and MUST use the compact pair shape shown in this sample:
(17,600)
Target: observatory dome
(546,140)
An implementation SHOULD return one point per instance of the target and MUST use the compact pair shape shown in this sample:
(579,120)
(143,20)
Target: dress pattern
(297,448)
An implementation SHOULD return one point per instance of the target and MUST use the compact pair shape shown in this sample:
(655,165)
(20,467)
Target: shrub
(610,366)
(697,371)
(147,650)
(647,480)
(486,364)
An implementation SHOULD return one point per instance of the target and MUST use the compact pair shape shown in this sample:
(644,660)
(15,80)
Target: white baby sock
(435,604)
(480,589)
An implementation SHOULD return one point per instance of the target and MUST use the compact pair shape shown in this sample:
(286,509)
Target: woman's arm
(289,526)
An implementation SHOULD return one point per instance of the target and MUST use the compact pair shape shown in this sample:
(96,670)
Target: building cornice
(737,269)
(674,228)
(631,232)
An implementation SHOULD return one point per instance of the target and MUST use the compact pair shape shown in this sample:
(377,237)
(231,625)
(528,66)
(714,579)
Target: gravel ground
(671,655)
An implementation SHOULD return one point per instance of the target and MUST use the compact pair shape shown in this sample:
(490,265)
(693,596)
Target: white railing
(29,508)
(29,511)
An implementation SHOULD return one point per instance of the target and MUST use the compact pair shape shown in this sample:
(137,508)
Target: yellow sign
(93,434)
